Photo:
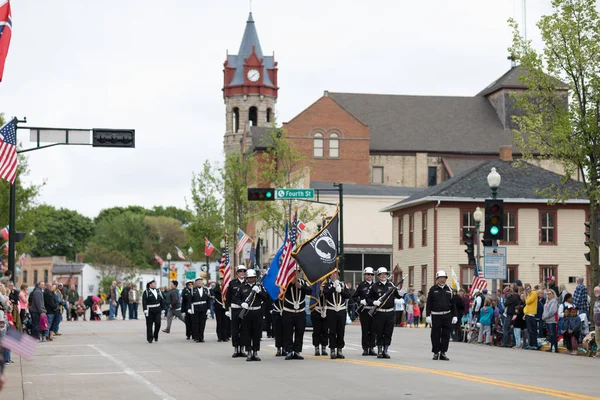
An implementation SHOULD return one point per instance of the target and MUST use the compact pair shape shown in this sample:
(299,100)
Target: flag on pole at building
(226,270)
(180,254)
(317,257)
(478,281)
(287,269)
(5,32)
(208,247)
(22,259)
(21,344)
(158,259)
(271,276)
(242,240)
(4,232)
(454,282)
(8,151)
(253,256)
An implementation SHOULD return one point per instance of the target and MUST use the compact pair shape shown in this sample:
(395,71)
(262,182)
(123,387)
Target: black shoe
(290,356)
(236,353)
(366,353)
(372,352)
(219,340)
(323,350)
(297,356)
(379,352)
(150,341)
(201,340)
(255,356)
(242,354)
(436,356)
(156,339)
(187,338)
(196,340)
(333,355)
(166,331)
(385,352)
(339,354)
(279,353)
(249,357)
(317,352)
(443,357)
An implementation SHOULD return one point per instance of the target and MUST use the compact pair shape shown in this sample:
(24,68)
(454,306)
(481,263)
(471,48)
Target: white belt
(233,305)
(221,304)
(294,311)
(198,302)
(336,308)
(254,308)
(440,312)
(367,307)
(386,310)
(152,305)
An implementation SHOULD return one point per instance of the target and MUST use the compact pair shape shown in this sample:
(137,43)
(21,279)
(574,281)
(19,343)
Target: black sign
(113,137)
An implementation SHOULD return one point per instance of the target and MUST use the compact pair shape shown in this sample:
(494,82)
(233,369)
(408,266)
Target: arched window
(236,119)
(318,145)
(269,114)
(253,116)
(334,146)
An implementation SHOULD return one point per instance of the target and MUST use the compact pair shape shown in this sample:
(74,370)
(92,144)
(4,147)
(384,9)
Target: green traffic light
(494,230)
(269,195)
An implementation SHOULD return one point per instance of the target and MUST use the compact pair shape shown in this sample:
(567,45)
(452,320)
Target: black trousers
(336,322)
(293,330)
(198,323)
(222,322)
(237,331)
(384,327)
(188,324)
(153,320)
(277,329)
(531,330)
(268,318)
(441,327)
(320,334)
(252,324)
(367,327)
(35,324)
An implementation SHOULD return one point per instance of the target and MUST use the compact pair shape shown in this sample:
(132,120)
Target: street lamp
(168,267)
(477,217)
(494,180)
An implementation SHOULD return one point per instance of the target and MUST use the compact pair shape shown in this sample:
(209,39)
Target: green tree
(163,234)
(206,209)
(549,130)
(103,256)
(110,213)
(184,216)
(59,232)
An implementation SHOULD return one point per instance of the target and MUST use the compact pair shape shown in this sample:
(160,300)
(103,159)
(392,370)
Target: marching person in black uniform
(252,294)
(276,310)
(186,301)
(152,303)
(222,321)
(174,306)
(293,317)
(336,295)
(268,317)
(198,308)
(234,307)
(367,323)
(318,317)
(441,315)
(384,316)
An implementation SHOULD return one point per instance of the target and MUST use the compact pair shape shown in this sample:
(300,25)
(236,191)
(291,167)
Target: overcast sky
(156,66)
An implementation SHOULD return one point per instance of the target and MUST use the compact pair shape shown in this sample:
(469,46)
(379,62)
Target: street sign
(190,275)
(173,275)
(494,263)
(293,193)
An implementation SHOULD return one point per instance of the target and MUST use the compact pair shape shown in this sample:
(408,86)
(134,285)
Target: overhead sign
(291,194)
(494,263)
(113,137)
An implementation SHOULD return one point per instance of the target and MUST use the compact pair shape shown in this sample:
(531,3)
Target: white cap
(251,273)
(475,291)
(382,270)
(441,273)
(369,270)
(241,268)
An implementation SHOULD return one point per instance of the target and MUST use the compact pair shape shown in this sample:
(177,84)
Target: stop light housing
(468,237)
(261,194)
(494,220)
(587,240)
(113,137)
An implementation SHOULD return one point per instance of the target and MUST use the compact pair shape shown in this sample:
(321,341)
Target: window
(548,270)
(431,176)
(467,273)
(269,115)
(467,223)
(318,145)
(236,119)
(46,275)
(334,146)
(424,229)
(547,227)
(411,230)
(401,232)
(424,278)
(513,273)
(253,116)
(510,227)
(411,276)
(35,276)
(24,276)
(377,177)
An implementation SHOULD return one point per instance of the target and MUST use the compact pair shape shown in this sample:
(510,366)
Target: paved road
(112,360)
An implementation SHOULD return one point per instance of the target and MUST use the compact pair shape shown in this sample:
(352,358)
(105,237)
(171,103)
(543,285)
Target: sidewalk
(13,388)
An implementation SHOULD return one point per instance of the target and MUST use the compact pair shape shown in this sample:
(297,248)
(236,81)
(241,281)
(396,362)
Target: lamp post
(477,216)
(168,267)
(494,180)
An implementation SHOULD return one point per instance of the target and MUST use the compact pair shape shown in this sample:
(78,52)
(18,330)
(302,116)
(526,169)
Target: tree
(110,213)
(206,208)
(184,216)
(59,232)
(103,256)
(549,130)
(163,234)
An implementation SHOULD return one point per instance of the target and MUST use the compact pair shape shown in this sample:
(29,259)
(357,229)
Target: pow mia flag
(318,256)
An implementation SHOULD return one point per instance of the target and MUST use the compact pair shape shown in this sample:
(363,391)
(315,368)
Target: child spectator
(416,314)
(571,329)
(597,314)
(97,311)
(485,319)
(409,313)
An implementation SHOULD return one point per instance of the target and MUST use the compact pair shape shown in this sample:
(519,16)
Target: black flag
(317,257)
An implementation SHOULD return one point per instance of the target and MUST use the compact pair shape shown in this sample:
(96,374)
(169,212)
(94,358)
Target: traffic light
(113,137)
(468,240)
(494,220)
(587,234)
(261,194)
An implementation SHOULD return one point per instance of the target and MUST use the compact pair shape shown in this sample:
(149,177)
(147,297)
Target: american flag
(23,345)
(242,240)
(8,152)
(180,254)
(226,266)
(5,32)
(478,281)
(158,259)
(288,263)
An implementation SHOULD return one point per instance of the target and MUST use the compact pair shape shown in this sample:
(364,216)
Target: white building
(85,277)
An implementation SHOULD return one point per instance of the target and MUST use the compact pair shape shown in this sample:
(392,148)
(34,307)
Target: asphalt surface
(112,360)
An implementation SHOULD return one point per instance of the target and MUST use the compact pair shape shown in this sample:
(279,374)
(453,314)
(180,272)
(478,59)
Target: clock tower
(249,89)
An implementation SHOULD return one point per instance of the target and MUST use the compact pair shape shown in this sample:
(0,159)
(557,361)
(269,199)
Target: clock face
(253,75)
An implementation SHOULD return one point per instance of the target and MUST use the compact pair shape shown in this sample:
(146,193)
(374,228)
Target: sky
(157,67)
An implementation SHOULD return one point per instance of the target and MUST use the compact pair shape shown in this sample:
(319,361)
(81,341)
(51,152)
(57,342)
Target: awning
(68,281)
(354,249)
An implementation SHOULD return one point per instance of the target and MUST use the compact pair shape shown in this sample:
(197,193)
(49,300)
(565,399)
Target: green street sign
(190,275)
(291,194)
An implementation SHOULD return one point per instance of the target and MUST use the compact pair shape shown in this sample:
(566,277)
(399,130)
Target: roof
(427,123)
(369,190)
(67,268)
(459,165)
(510,80)
(260,136)
(249,41)
(517,185)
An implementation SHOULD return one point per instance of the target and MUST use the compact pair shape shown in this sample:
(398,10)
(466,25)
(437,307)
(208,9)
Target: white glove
(401,292)
(227,314)
(336,283)
(376,303)
(190,311)
(428,320)
(363,302)
(454,320)
(338,289)
(256,288)
(146,313)
(245,306)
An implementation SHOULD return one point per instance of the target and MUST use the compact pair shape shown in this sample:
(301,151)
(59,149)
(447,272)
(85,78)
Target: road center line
(90,373)
(155,389)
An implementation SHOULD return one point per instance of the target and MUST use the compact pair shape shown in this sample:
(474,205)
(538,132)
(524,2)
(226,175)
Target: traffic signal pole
(494,243)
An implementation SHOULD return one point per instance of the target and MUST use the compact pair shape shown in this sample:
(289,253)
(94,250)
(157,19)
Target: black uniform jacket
(378,290)
(439,300)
